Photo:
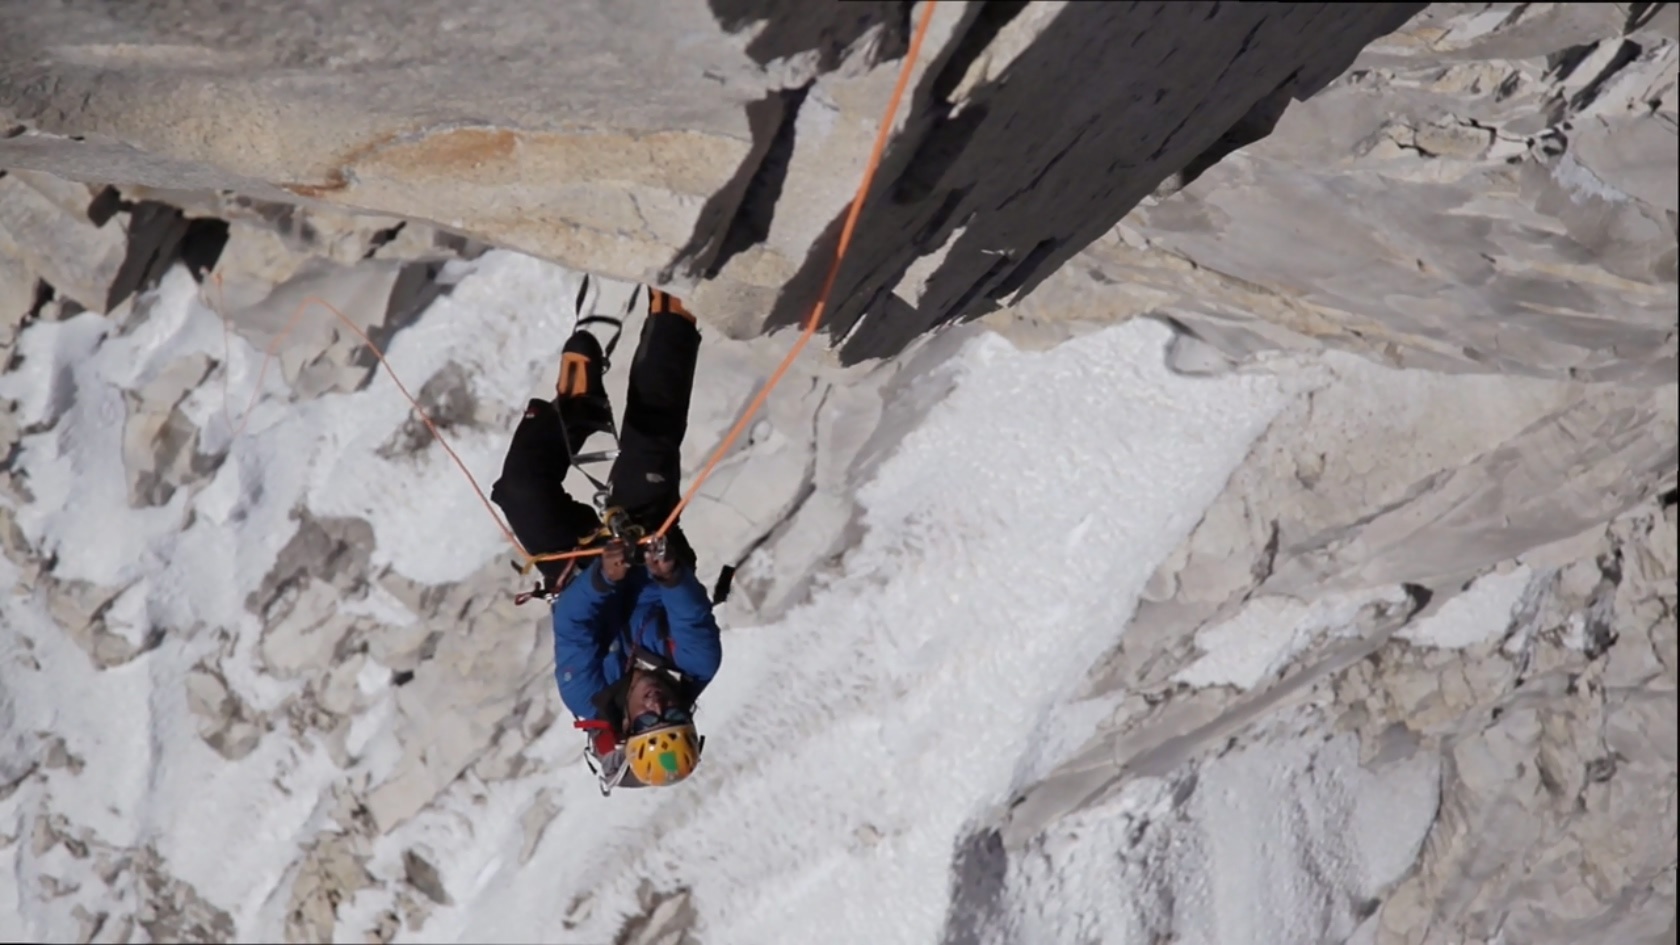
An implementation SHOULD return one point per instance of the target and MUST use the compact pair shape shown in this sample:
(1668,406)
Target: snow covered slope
(272,684)
(1004,543)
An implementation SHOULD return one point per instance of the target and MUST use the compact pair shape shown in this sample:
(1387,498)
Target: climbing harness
(616,525)
(583,460)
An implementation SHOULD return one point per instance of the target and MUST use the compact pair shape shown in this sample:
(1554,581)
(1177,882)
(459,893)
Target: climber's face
(648,693)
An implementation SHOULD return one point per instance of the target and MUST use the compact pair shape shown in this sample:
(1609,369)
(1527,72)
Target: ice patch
(1219,857)
(1581,182)
(1479,615)
(1250,647)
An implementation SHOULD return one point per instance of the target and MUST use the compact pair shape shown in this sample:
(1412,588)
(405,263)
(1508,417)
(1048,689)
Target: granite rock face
(1488,189)
(706,147)
(1543,723)
(1476,187)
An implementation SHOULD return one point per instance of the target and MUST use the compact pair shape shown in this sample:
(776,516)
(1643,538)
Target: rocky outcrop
(710,148)
(84,241)
(1488,189)
(1547,710)
(137,891)
(666,919)
(1557,738)
(270,270)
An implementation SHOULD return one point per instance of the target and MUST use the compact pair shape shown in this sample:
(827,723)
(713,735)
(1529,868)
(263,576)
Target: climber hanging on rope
(634,637)
(635,640)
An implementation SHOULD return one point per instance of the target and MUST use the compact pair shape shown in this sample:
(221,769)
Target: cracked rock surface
(1525,671)
(709,146)
(1488,189)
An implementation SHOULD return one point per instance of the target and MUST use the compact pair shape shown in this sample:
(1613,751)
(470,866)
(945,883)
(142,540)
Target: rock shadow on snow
(979,882)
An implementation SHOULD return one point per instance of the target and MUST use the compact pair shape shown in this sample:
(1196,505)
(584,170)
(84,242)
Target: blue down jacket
(597,622)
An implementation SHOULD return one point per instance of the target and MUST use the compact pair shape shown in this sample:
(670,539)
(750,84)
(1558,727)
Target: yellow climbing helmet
(662,750)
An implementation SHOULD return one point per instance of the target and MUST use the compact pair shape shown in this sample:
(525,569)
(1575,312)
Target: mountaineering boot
(662,302)
(580,393)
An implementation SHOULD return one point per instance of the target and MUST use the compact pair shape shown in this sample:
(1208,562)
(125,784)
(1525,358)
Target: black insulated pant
(646,478)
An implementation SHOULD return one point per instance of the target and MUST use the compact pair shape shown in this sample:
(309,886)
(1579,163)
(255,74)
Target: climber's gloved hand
(615,561)
(661,566)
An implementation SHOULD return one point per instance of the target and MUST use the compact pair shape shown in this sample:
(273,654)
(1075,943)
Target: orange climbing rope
(815,318)
(840,248)
(810,329)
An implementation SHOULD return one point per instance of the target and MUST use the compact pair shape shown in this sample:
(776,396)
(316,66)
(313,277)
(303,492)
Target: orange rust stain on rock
(459,150)
(335,184)
(336,181)
(686,162)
